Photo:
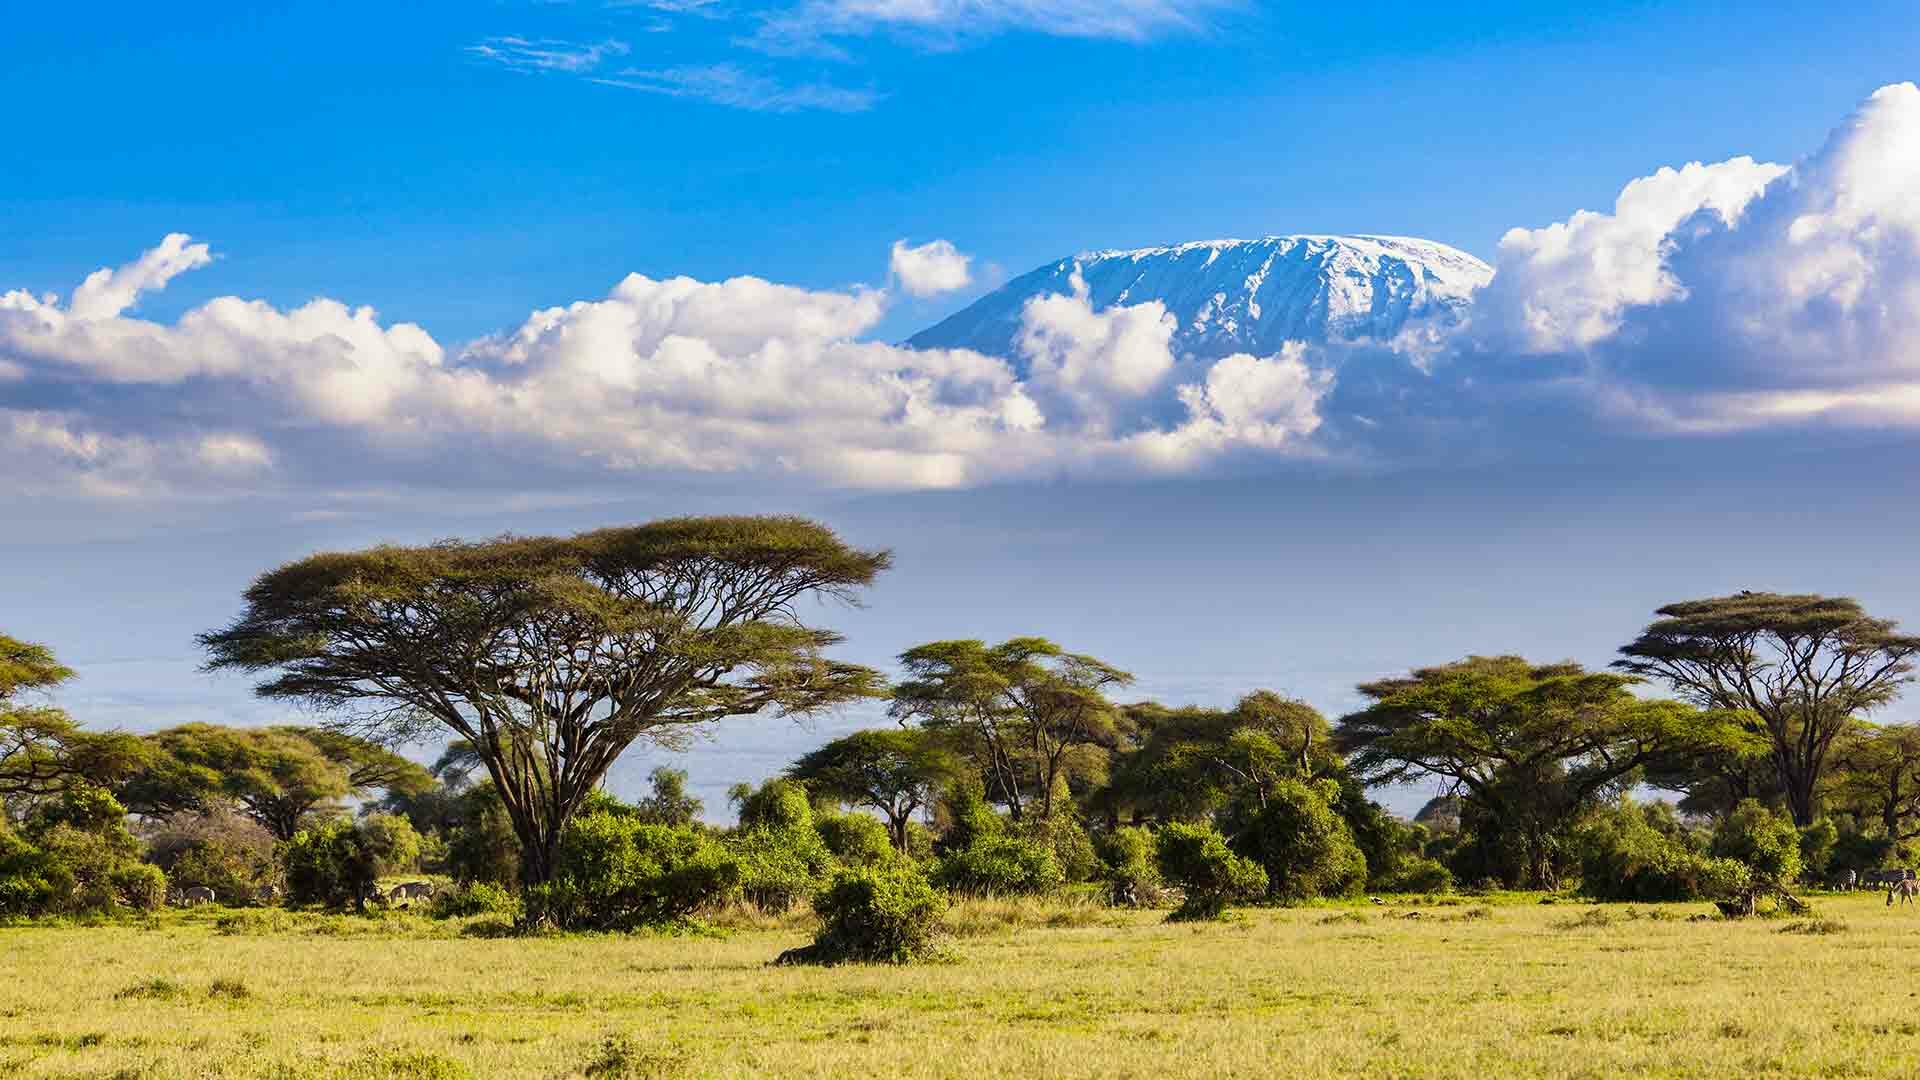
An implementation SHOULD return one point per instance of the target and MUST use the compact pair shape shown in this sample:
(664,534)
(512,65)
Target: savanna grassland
(1466,988)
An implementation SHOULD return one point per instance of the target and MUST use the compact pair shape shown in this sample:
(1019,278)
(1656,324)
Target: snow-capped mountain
(1232,296)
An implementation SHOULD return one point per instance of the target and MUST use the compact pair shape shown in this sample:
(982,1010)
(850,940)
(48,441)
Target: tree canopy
(551,656)
(42,751)
(1022,706)
(896,772)
(1531,744)
(1796,668)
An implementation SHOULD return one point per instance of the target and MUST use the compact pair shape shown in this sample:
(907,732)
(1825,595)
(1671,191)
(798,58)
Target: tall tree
(551,656)
(1797,668)
(1532,745)
(1188,762)
(42,751)
(897,772)
(1024,706)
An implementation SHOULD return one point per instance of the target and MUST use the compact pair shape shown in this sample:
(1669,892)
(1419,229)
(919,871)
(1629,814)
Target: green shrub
(1304,846)
(475,898)
(782,858)
(220,850)
(873,915)
(855,839)
(1624,855)
(483,847)
(1415,874)
(1197,860)
(617,872)
(1063,835)
(1817,843)
(331,865)
(76,857)
(1129,868)
(1765,842)
(999,865)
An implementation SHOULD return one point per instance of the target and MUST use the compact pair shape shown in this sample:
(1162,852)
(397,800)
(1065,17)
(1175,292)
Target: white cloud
(806,27)
(734,87)
(743,375)
(930,269)
(547,54)
(1736,295)
(1246,401)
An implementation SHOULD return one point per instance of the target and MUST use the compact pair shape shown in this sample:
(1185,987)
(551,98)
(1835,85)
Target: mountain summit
(1234,296)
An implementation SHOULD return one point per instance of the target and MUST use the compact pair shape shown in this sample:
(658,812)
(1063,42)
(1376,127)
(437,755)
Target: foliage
(550,656)
(782,857)
(1191,762)
(1129,866)
(896,772)
(1414,874)
(618,872)
(874,915)
(477,898)
(1197,860)
(223,851)
(1064,836)
(1533,745)
(1021,709)
(1817,843)
(482,846)
(1626,856)
(1795,670)
(668,802)
(999,864)
(42,751)
(854,839)
(283,777)
(331,865)
(1305,848)
(1766,842)
(74,855)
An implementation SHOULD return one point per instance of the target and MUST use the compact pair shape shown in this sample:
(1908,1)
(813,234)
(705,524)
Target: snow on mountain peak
(1243,296)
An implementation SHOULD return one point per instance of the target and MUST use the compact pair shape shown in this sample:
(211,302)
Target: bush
(1817,843)
(1636,852)
(1128,867)
(782,858)
(222,851)
(617,872)
(1063,835)
(999,865)
(1765,842)
(1415,874)
(331,865)
(76,857)
(1197,859)
(855,839)
(1304,846)
(483,847)
(875,915)
(476,898)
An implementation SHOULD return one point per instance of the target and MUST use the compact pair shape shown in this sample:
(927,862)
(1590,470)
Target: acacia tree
(1024,706)
(1188,762)
(1876,772)
(1532,745)
(42,751)
(1796,668)
(551,656)
(896,772)
(281,777)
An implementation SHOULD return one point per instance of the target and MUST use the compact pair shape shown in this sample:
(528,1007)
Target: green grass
(1494,987)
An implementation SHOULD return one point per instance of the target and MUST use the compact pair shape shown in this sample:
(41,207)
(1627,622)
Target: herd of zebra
(1900,883)
(195,895)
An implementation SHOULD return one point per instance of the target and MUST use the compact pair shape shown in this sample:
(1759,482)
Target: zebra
(1906,889)
(195,895)
(1846,881)
(412,890)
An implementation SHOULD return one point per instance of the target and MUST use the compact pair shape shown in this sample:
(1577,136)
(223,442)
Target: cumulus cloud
(1736,295)
(930,269)
(673,375)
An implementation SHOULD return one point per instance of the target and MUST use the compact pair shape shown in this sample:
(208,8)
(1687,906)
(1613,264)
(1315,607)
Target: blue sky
(1738,412)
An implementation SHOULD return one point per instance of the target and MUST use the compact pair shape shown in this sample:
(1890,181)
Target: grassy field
(1462,990)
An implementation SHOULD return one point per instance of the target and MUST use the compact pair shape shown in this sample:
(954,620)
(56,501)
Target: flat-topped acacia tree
(1798,669)
(551,656)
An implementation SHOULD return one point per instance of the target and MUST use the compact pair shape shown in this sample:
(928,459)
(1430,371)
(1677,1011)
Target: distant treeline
(1008,768)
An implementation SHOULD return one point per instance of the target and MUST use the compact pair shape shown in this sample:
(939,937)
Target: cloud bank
(1710,298)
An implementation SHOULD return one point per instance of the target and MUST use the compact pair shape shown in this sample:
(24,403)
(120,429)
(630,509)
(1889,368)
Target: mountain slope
(1232,296)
